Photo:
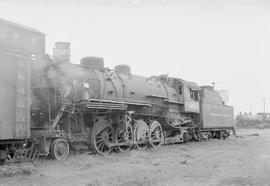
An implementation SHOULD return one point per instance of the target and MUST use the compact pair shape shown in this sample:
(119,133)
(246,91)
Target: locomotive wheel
(125,135)
(2,161)
(102,137)
(60,149)
(141,133)
(209,136)
(223,135)
(156,134)
(3,156)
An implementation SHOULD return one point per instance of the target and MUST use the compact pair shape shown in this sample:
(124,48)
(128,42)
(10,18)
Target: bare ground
(241,160)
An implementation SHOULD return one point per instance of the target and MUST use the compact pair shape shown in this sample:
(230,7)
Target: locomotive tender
(89,107)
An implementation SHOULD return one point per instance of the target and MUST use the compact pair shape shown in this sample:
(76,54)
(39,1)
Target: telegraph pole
(264,103)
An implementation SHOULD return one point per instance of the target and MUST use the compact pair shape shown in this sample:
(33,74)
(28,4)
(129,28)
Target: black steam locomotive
(89,107)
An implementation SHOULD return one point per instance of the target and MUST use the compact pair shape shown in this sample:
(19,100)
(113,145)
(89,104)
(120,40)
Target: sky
(221,41)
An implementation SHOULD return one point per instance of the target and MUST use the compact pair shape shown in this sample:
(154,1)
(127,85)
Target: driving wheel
(102,137)
(156,137)
(125,136)
(141,133)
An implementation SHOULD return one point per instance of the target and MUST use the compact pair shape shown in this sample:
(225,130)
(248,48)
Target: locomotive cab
(191,97)
(188,94)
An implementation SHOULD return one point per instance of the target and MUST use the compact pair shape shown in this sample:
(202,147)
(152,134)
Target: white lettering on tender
(219,115)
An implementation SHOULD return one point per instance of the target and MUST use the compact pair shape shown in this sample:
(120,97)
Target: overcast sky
(227,41)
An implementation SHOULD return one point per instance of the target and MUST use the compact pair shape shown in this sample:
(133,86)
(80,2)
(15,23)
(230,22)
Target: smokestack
(61,52)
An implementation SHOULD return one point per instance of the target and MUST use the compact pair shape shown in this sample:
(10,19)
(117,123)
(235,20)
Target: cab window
(194,94)
(180,90)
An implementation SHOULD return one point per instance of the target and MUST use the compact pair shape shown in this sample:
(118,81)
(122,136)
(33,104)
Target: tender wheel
(102,137)
(125,136)
(60,149)
(156,134)
(141,133)
(209,136)
(224,135)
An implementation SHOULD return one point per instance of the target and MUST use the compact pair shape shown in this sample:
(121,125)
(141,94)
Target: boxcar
(21,39)
(18,44)
(14,97)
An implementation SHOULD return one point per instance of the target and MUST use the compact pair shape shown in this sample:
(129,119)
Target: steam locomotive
(86,106)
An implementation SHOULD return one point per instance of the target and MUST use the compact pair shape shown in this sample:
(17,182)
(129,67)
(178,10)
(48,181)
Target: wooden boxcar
(18,44)
(21,39)
(14,97)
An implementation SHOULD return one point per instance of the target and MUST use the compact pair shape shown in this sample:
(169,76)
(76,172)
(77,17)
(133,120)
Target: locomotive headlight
(86,85)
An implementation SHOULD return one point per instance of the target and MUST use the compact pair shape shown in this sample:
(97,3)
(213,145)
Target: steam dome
(125,69)
(92,62)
